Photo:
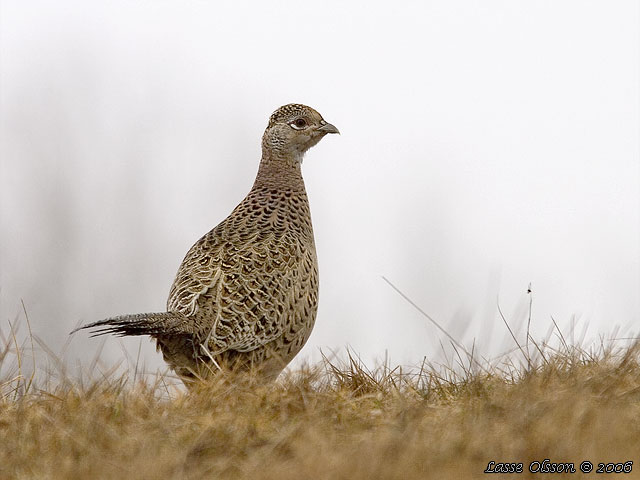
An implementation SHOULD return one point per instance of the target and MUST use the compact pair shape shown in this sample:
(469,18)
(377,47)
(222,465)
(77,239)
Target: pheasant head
(293,129)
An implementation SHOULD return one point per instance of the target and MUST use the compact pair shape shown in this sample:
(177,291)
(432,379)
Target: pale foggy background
(485,146)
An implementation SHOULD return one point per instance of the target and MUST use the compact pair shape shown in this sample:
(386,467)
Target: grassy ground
(332,421)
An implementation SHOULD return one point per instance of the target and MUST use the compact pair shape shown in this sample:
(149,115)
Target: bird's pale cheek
(303,141)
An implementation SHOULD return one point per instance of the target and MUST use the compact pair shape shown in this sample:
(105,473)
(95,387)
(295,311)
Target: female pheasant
(246,294)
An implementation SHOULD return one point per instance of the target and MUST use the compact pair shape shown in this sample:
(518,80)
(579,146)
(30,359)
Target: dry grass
(331,421)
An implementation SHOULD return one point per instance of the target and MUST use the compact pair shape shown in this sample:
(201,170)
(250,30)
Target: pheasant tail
(139,324)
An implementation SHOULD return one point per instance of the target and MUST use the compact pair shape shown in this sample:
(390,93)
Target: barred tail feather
(139,324)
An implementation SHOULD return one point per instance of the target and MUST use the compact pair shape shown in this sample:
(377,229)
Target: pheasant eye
(299,124)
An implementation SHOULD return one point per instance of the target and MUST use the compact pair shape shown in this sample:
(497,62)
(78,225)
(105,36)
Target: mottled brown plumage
(246,294)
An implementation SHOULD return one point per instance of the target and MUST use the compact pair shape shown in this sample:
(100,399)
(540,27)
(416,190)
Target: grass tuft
(337,419)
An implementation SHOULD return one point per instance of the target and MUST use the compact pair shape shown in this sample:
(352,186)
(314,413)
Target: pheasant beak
(328,128)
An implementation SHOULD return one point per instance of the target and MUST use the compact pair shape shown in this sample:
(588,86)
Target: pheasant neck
(280,172)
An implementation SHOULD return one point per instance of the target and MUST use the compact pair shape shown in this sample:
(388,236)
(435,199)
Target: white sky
(485,145)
